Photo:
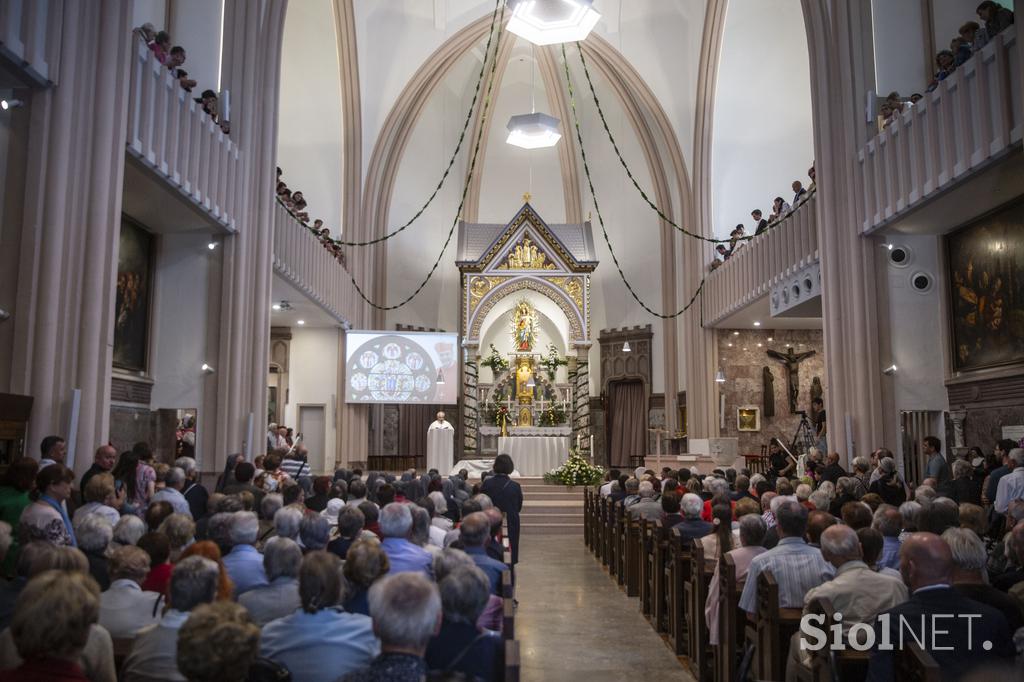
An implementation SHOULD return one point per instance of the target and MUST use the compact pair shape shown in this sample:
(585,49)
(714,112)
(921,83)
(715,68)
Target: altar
(535,455)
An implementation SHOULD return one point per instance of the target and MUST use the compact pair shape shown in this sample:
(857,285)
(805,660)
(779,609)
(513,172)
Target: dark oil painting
(986,285)
(131,307)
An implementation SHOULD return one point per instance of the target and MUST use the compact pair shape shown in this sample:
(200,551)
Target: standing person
(195,493)
(760,224)
(936,467)
(508,497)
(820,425)
(228,476)
(134,482)
(53,450)
(46,518)
(440,423)
(16,486)
(296,462)
(102,463)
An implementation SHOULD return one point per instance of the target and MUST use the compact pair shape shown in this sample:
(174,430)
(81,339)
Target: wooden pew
(605,507)
(588,527)
(621,533)
(914,664)
(631,554)
(774,628)
(679,575)
(646,577)
(731,620)
(508,619)
(848,664)
(507,586)
(659,577)
(512,665)
(697,629)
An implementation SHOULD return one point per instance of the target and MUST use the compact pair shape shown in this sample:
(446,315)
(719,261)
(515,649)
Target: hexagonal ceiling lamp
(533,131)
(549,22)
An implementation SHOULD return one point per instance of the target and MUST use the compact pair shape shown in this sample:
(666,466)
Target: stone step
(554,529)
(545,518)
(553,495)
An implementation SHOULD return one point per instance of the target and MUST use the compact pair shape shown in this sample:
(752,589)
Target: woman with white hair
(461,645)
(94,534)
(314,533)
(889,486)
(180,531)
(440,508)
(100,498)
(128,530)
(286,523)
(125,608)
(318,642)
(282,559)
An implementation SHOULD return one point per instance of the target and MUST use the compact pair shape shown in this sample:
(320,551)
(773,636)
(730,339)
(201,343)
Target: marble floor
(574,623)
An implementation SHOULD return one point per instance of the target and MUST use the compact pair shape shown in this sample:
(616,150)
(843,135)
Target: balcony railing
(762,262)
(24,36)
(169,133)
(973,117)
(306,264)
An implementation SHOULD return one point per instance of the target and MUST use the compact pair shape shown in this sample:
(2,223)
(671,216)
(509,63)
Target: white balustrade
(971,119)
(25,35)
(762,262)
(169,132)
(301,259)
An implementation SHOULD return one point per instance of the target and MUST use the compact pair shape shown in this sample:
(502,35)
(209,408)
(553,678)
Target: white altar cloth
(439,449)
(476,467)
(535,455)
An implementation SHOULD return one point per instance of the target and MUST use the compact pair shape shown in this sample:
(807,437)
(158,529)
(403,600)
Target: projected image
(385,367)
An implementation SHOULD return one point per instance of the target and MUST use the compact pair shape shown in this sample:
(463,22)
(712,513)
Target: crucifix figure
(792,362)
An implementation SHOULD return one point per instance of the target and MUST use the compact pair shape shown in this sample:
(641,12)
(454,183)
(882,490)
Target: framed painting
(748,418)
(131,306)
(985,267)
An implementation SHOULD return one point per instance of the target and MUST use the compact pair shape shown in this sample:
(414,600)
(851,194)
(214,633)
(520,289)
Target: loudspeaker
(900,256)
(922,282)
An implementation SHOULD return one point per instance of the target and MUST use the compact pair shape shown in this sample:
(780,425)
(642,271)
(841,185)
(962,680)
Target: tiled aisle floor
(574,623)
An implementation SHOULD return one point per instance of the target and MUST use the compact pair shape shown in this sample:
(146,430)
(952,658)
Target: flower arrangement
(552,416)
(502,416)
(495,362)
(551,362)
(575,471)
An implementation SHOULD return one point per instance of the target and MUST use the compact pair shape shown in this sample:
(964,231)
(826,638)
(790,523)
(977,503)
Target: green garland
(552,416)
(551,362)
(575,471)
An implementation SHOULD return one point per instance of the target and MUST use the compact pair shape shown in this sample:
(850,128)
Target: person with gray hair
(925,495)
(195,493)
(461,645)
(180,531)
(475,531)
(856,591)
(314,532)
(632,492)
(820,500)
(318,641)
(692,526)
(243,563)
(648,508)
(483,500)
(406,612)
(889,523)
(125,608)
(174,483)
(862,474)
(421,531)
(154,656)
(796,566)
(752,532)
(282,558)
(128,530)
(287,521)
(396,526)
(94,534)
(888,484)
(970,575)
(1011,486)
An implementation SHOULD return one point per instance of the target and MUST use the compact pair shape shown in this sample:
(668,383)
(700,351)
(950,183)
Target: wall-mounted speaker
(922,282)
(900,256)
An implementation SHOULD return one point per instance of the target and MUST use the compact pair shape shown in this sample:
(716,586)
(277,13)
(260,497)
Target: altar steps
(551,509)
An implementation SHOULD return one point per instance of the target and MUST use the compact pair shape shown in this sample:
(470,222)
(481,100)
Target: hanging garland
(600,217)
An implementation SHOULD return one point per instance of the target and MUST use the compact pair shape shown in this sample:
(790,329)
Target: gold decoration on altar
(525,416)
(524,372)
(480,286)
(524,326)
(526,256)
(571,286)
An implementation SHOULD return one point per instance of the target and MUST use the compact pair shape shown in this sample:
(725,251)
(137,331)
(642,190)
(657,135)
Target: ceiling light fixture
(300,322)
(757,324)
(276,306)
(549,22)
(533,131)
(735,333)
(626,348)
(720,376)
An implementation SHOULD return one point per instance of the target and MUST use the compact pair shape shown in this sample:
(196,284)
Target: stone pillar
(61,233)
(470,401)
(580,379)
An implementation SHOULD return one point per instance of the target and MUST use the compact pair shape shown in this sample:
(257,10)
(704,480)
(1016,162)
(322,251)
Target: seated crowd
(865,539)
(780,209)
(159,42)
(971,38)
(144,575)
(295,202)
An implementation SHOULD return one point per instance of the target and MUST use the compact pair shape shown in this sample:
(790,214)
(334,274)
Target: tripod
(804,438)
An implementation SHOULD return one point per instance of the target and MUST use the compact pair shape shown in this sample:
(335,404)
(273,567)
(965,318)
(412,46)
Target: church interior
(562,295)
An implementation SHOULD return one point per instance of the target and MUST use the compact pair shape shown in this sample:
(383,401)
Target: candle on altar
(591,443)
(577,442)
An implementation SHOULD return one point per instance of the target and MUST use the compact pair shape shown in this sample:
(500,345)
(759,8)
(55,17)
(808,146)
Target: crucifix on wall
(791,360)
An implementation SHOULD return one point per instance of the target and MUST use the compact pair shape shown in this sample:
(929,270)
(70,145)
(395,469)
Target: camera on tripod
(802,413)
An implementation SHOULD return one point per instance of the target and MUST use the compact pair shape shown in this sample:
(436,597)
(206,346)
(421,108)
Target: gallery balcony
(969,123)
(27,44)
(181,168)
(301,260)
(762,263)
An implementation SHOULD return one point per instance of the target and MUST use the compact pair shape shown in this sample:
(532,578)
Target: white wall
(313,380)
(152,11)
(309,142)
(899,47)
(184,270)
(762,127)
(197,25)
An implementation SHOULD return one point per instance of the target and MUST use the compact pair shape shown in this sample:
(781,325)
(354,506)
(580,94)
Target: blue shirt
(491,568)
(244,565)
(321,646)
(796,567)
(890,553)
(405,557)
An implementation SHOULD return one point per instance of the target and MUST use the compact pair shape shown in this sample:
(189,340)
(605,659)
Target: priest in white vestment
(440,423)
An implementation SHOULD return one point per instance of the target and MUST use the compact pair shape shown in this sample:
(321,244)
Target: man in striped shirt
(796,566)
(295,464)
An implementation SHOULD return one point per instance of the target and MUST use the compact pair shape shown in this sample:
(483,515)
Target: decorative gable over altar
(526,257)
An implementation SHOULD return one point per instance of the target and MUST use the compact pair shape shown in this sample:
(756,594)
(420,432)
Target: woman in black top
(508,497)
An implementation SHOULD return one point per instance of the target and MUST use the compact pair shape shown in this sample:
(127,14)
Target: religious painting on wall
(986,285)
(131,306)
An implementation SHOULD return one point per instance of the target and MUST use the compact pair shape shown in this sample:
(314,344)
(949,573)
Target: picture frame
(132,302)
(748,418)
